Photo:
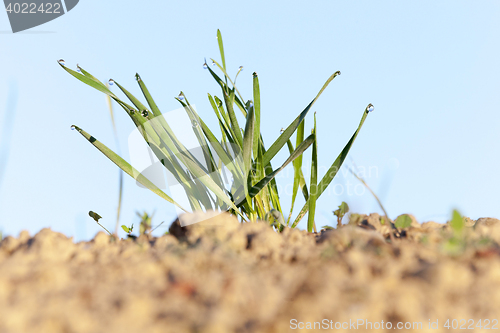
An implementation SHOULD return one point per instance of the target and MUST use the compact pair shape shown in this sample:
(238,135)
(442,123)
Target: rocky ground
(224,276)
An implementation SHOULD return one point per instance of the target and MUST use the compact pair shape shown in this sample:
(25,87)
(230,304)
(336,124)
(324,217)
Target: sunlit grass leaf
(287,133)
(314,182)
(256,108)
(298,151)
(334,168)
(221,48)
(154,108)
(126,167)
(251,191)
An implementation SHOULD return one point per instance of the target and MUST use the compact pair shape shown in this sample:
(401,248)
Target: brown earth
(232,277)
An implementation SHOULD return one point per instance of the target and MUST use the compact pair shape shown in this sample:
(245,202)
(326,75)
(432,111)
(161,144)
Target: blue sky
(430,68)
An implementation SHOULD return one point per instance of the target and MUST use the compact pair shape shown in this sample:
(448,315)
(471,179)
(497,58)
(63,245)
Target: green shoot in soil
(127,229)
(340,212)
(258,195)
(403,221)
(455,245)
(96,218)
(145,224)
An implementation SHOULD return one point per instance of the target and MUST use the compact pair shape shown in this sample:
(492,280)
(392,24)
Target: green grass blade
(221,83)
(126,167)
(221,48)
(298,151)
(298,182)
(233,121)
(248,140)
(91,81)
(202,142)
(90,76)
(247,148)
(209,183)
(283,138)
(240,104)
(298,177)
(152,105)
(141,107)
(314,180)
(256,108)
(222,116)
(330,174)
(201,194)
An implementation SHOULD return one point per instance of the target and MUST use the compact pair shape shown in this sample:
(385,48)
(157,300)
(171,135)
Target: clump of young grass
(240,149)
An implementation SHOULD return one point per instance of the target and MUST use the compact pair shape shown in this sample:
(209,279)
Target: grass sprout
(96,218)
(145,224)
(238,152)
(128,230)
(340,212)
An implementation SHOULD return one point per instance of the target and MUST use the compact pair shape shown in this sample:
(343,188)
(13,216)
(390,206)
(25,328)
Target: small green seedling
(343,209)
(145,225)
(403,221)
(327,227)
(127,229)
(456,244)
(382,220)
(96,218)
(457,223)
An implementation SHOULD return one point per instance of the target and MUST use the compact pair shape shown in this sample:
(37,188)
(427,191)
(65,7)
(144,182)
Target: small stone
(487,221)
